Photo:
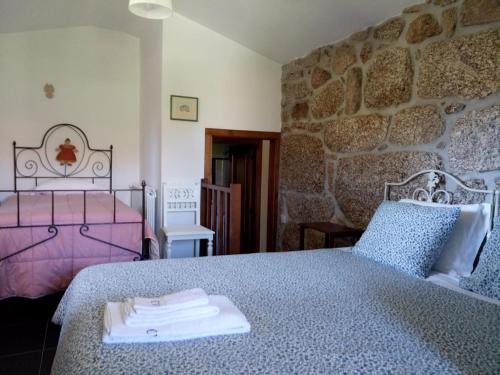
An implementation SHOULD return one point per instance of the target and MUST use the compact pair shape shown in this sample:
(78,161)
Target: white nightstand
(186,233)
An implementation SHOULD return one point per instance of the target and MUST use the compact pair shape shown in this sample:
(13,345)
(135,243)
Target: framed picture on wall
(184,108)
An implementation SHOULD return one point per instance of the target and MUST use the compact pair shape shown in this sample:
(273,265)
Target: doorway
(251,159)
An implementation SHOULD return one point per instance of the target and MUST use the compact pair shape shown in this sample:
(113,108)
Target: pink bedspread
(49,267)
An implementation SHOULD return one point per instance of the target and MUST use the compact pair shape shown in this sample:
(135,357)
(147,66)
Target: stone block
(475,141)
(353,94)
(293,91)
(330,176)
(390,30)
(319,77)
(291,71)
(354,134)
(449,17)
(416,125)
(300,111)
(328,101)
(476,12)
(423,27)
(302,164)
(466,66)
(344,56)
(389,78)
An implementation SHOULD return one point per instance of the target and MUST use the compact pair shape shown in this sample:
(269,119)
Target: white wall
(151,107)
(237,89)
(151,68)
(95,73)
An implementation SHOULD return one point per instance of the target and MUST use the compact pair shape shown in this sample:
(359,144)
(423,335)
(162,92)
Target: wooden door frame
(274,139)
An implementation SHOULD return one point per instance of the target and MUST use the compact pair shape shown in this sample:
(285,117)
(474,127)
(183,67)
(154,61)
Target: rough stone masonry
(417,91)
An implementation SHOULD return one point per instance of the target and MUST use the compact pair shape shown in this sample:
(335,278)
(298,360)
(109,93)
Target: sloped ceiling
(278,29)
(286,29)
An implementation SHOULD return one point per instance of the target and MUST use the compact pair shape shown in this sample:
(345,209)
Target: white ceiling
(278,29)
(27,15)
(286,29)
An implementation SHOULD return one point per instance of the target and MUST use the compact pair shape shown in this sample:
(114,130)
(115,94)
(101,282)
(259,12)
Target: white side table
(186,233)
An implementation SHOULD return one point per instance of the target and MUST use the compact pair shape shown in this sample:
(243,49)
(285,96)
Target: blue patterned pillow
(485,279)
(406,236)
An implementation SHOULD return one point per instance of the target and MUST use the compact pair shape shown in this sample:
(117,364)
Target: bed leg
(145,248)
(210,247)
(169,248)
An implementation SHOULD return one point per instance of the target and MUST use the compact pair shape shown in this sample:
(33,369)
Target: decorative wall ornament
(66,153)
(184,108)
(49,90)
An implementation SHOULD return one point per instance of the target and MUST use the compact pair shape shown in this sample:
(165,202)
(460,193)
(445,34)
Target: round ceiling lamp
(152,9)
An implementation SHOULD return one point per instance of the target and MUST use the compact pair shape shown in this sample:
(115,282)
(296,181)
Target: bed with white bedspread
(322,311)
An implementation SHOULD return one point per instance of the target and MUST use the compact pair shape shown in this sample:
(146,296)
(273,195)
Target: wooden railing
(221,212)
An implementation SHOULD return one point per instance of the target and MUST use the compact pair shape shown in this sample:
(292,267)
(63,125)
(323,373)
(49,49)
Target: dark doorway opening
(237,164)
(250,159)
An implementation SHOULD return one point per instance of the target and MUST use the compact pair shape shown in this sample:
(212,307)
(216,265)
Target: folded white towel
(171,302)
(147,319)
(230,320)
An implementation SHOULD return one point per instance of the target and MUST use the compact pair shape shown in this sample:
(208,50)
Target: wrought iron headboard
(435,190)
(39,162)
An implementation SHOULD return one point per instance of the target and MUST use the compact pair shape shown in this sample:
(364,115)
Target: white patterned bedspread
(321,312)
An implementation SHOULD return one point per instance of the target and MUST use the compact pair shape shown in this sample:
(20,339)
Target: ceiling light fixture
(152,9)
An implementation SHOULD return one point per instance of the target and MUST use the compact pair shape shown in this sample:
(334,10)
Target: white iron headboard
(435,192)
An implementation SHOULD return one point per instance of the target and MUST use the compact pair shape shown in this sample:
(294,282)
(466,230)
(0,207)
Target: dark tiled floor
(28,339)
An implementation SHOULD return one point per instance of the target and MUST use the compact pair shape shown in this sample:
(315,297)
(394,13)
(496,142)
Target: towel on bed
(230,320)
(171,302)
(133,318)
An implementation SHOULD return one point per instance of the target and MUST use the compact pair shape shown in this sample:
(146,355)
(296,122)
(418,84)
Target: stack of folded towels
(179,316)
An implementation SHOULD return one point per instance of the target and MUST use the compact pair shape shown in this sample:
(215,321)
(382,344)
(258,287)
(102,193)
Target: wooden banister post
(235,219)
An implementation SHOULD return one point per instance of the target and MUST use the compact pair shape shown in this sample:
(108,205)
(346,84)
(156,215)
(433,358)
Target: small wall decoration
(66,153)
(184,108)
(49,90)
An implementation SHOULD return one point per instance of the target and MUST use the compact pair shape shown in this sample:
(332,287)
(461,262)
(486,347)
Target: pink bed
(50,266)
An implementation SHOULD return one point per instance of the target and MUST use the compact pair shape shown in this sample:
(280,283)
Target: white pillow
(460,251)
(68,184)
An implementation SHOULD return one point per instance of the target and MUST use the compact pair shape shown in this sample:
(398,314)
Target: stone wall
(417,91)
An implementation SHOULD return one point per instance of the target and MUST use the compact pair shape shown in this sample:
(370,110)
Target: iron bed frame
(436,190)
(34,163)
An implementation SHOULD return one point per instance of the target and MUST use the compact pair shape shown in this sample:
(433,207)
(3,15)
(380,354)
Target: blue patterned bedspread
(312,312)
